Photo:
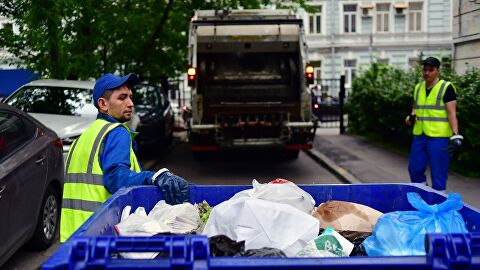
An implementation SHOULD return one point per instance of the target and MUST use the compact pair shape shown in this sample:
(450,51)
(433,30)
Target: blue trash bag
(402,233)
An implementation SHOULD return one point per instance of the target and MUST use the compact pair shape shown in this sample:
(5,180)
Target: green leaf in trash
(329,243)
(204,210)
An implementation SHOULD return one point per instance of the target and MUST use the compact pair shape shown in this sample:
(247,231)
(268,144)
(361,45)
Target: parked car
(31,182)
(326,108)
(156,117)
(62,105)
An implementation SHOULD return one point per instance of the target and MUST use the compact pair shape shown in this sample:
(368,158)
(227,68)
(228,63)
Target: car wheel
(48,221)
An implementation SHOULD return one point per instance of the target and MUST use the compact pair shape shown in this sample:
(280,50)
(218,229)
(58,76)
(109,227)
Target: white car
(62,105)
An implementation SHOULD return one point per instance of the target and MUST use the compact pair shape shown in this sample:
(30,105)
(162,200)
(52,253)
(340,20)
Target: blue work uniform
(114,157)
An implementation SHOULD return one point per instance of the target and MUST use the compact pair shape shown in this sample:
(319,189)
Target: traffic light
(309,74)
(192,75)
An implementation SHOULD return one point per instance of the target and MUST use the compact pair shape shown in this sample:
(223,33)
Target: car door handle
(40,159)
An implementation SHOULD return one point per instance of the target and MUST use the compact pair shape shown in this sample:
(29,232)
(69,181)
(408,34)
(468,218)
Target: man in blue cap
(102,159)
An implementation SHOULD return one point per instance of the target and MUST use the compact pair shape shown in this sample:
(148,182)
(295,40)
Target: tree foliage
(81,39)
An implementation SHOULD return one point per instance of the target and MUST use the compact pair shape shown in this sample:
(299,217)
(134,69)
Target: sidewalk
(369,163)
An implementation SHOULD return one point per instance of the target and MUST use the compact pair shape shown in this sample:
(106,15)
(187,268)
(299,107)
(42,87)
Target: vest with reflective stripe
(83,190)
(432,117)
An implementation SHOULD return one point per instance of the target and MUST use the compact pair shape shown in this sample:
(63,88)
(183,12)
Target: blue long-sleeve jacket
(115,159)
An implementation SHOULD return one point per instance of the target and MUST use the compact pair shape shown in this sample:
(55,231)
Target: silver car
(31,182)
(64,106)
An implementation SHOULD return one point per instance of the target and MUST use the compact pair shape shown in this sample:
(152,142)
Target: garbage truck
(248,77)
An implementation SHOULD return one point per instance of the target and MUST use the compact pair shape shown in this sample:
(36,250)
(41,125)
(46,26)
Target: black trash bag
(221,245)
(262,252)
(358,248)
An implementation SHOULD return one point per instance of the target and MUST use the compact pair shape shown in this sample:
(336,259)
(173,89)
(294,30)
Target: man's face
(119,105)
(430,73)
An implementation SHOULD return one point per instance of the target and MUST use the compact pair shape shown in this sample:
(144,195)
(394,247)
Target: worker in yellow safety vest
(102,159)
(436,137)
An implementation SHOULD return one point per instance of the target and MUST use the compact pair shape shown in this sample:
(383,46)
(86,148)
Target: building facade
(466,35)
(7,60)
(344,35)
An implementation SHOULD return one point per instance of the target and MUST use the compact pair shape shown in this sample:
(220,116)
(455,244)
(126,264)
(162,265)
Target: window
(350,66)
(315,21)
(54,100)
(412,61)
(383,17)
(14,133)
(415,16)
(383,61)
(146,97)
(350,18)
(317,69)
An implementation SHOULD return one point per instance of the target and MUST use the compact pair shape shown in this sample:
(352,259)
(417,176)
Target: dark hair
(431,61)
(107,94)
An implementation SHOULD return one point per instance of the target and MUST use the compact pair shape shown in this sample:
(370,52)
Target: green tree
(81,39)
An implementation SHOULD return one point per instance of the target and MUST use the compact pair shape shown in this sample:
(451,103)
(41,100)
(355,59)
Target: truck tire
(48,221)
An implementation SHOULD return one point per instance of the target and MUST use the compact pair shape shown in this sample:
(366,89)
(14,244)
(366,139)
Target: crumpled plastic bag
(328,244)
(179,218)
(346,216)
(138,224)
(262,223)
(263,252)
(222,246)
(402,233)
(163,218)
(280,191)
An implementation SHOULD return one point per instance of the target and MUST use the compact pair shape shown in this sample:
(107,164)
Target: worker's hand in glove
(174,188)
(455,143)
(410,120)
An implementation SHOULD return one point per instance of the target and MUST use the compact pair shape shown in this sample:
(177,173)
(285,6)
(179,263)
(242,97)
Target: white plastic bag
(280,191)
(179,218)
(261,223)
(138,224)
(163,218)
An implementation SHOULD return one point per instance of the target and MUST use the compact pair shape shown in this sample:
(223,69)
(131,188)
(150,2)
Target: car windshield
(54,100)
(145,97)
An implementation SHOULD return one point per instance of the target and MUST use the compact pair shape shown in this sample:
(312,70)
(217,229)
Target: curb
(330,165)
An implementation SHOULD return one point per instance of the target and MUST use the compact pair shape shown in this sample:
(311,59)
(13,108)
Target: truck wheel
(47,222)
(291,154)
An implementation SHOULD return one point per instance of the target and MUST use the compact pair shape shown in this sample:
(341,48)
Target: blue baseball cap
(110,81)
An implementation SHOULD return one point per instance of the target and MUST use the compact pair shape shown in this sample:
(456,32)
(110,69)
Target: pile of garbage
(279,219)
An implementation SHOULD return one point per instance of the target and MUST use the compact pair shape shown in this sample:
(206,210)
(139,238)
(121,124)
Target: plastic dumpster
(94,245)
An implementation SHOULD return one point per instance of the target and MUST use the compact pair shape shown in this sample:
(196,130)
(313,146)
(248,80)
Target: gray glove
(454,145)
(174,188)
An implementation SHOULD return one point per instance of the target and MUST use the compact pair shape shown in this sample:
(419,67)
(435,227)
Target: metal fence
(328,98)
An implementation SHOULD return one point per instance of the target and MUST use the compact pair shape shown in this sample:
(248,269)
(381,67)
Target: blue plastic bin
(94,245)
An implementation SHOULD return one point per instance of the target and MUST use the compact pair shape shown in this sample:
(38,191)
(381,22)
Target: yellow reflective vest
(83,189)
(432,117)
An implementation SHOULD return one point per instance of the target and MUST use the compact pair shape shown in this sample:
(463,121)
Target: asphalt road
(228,168)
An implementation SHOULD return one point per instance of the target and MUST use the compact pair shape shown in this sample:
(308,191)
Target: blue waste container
(95,246)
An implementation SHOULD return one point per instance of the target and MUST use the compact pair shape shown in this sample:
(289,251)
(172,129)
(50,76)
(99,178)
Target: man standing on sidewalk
(435,121)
